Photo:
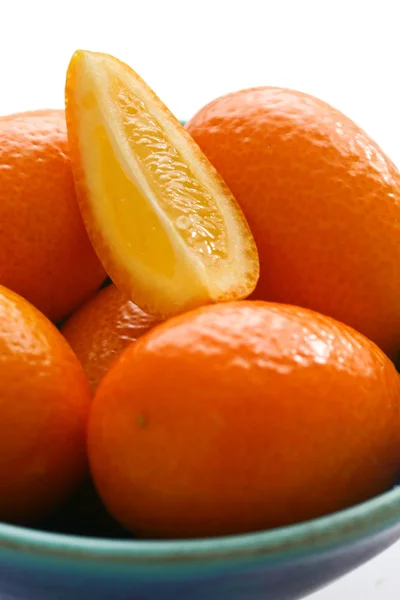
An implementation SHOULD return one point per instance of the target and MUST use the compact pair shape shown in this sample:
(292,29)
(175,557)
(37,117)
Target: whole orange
(44,402)
(45,253)
(243,416)
(102,328)
(322,200)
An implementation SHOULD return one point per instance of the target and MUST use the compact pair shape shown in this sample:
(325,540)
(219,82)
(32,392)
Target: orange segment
(164,224)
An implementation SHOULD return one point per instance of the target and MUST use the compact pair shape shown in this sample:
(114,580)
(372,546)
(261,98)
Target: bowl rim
(284,543)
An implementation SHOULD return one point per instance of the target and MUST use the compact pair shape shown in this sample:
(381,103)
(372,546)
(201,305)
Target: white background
(347,53)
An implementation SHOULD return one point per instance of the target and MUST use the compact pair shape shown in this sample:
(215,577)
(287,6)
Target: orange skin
(45,253)
(322,201)
(102,328)
(44,403)
(241,417)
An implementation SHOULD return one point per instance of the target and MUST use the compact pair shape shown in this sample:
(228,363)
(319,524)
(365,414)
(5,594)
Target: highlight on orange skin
(322,200)
(241,417)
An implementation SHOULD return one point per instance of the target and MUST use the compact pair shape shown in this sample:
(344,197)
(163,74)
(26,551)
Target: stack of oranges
(237,372)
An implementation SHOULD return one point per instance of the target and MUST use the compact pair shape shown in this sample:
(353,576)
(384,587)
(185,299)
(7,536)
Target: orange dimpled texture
(322,201)
(45,253)
(241,417)
(102,328)
(44,402)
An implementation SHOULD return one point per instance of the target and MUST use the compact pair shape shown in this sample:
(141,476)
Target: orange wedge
(162,221)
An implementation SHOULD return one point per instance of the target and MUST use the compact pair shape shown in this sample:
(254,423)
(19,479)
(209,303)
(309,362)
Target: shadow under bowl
(280,564)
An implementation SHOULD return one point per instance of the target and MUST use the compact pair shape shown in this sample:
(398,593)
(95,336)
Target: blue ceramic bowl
(281,564)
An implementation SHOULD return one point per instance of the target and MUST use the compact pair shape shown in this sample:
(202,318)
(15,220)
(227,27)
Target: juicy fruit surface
(322,201)
(44,403)
(173,182)
(168,231)
(241,417)
(102,328)
(45,253)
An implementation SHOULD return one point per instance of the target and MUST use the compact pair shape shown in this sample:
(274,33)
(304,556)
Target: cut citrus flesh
(162,221)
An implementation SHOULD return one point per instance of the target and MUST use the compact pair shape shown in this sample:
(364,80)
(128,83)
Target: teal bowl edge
(276,545)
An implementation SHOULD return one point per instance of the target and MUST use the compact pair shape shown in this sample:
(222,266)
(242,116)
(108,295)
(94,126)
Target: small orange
(45,253)
(102,328)
(240,417)
(44,402)
(322,201)
(168,231)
